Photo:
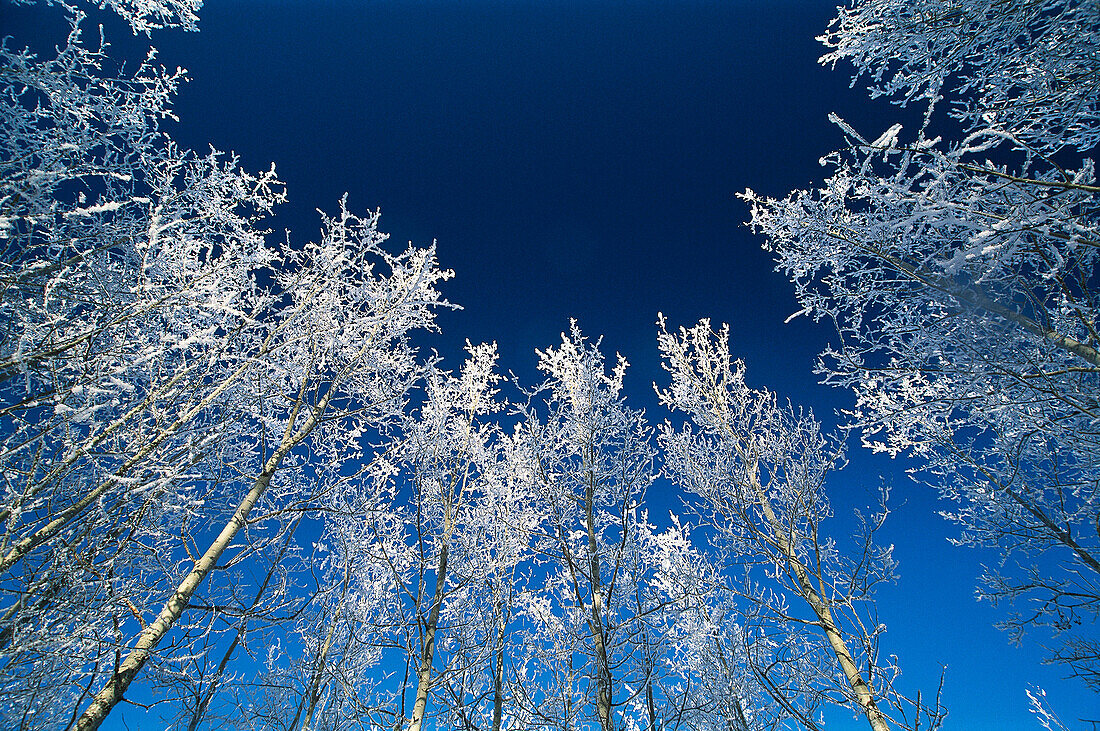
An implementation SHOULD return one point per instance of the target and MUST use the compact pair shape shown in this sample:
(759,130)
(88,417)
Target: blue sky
(581,159)
(574,159)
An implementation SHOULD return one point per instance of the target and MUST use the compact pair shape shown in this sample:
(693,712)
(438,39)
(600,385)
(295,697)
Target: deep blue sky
(573,160)
(580,159)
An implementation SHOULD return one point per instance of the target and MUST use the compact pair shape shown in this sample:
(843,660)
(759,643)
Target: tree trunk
(427,651)
(599,639)
(498,674)
(313,693)
(152,635)
(820,607)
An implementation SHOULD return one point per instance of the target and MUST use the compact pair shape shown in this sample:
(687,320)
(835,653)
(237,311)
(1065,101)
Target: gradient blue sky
(580,159)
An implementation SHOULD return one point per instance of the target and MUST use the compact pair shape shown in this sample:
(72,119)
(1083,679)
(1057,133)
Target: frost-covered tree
(811,634)
(113,311)
(333,363)
(323,670)
(451,447)
(412,539)
(594,648)
(164,373)
(486,636)
(696,646)
(960,271)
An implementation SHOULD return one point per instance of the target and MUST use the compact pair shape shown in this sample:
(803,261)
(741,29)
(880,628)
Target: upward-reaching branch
(961,274)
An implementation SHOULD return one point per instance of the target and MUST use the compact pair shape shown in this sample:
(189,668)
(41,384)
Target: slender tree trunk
(740,723)
(498,673)
(427,650)
(820,607)
(313,693)
(152,635)
(599,638)
(651,706)
(647,655)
